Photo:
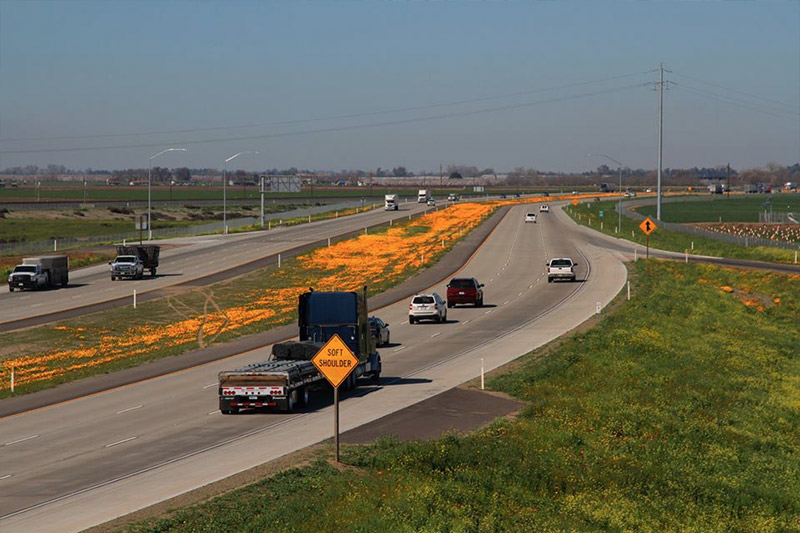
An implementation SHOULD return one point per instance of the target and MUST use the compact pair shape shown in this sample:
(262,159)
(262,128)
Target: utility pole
(440,178)
(660,136)
(728,179)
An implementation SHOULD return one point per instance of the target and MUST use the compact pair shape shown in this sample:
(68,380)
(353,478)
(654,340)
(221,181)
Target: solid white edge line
(130,409)
(120,441)
(210,385)
(436,334)
(214,412)
(20,440)
(398,349)
(5,477)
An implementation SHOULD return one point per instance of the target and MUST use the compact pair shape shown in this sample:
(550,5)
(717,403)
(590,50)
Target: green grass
(71,226)
(679,412)
(587,214)
(720,208)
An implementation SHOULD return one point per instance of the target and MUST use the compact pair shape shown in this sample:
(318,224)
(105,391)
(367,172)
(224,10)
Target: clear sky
(337,85)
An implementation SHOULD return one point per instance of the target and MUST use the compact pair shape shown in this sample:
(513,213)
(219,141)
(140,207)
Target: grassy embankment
(680,411)
(588,215)
(119,338)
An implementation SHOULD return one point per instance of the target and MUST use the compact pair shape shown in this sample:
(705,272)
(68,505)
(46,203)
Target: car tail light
(411,306)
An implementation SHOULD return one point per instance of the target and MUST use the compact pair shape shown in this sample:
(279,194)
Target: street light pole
(149,172)
(619,206)
(225,190)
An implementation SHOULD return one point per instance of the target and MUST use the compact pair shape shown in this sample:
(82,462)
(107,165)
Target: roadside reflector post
(629,290)
(366,231)
(686,256)
(442,242)
(390,221)
(279,260)
(601,224)
(635,255)
(422,258)
(329,242)
(55,245)
(269,225)
(632,235)
(309,218)
(599,307)
(335,361)
(482,372)
(795,257)
(337,214)
(692,245)
(12,379)
(616,229)
(134,298)
(746,242)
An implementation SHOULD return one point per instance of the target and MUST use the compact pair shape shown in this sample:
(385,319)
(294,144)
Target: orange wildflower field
(124,337)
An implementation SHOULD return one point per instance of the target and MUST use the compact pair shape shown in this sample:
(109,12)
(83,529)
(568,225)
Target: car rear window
(560,263)
(422,300)
(462,283)
(531,214)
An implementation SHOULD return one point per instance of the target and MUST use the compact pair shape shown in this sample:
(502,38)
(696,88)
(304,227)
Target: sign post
(336,362)
(648,226)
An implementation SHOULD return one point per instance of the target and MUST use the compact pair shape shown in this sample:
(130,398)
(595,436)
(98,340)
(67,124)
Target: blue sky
(541,84)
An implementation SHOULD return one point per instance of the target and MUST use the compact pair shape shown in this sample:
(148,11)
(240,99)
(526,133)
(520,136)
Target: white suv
(530,217)
(427,306)
(544,208)
(560,268)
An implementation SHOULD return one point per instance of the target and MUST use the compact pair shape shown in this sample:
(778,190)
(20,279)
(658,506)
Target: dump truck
(147,254)
(286,381)
(40,273)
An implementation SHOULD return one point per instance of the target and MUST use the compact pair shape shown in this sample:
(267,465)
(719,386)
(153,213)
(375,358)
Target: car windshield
(462,283)
(25,268)
(125,259)
(422,300)
(560,263)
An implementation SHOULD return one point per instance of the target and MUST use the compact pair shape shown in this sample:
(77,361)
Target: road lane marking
(20,440)
(404,322)
(436,334)
(504,303)
(5,477)
(130,409)
(487,312)
(398,349)
(520,294)
(214,412)
(210,385)
(120,441)
(465,322)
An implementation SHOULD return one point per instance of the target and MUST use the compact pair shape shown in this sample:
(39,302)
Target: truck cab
(127,266)
(27,277)
(423,196)
(390,202)
(40,273)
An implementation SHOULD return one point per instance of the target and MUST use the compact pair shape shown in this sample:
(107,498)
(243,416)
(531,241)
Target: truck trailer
(286,381)
(40,273)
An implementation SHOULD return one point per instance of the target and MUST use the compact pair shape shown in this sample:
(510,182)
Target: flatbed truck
(287,380)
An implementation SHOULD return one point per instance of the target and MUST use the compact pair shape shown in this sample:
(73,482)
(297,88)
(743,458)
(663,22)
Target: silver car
(427,307)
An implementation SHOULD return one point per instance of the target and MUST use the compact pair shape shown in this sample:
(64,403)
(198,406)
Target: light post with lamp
(225,190)
(149,172)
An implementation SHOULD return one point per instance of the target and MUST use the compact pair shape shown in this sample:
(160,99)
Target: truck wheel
(113,278)
(10,289)
(479,303)
(449,305)
(153,272)
(303,397)
(291,401)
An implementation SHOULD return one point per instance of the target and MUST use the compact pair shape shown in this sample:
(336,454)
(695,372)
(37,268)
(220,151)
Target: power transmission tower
(660,85)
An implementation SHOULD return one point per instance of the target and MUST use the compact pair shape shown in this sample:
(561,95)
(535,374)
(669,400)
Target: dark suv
(464,291)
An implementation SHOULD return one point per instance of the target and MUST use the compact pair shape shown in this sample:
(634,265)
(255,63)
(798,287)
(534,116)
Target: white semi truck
(390,202)
(423,196)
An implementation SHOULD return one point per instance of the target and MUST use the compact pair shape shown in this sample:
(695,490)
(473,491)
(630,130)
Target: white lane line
(210,385)
(36,305)
(504,303)
(489,311)
(20,440)
(120,441)
(24,297)
(5,477)
(436,334)
(214,412)
(398,349)
(465,322)
(404,322)
(520,294)
(109,289)
(76,296)
(130,409)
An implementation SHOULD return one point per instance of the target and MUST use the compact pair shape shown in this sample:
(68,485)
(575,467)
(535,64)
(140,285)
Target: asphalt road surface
(184,263)
(80,463)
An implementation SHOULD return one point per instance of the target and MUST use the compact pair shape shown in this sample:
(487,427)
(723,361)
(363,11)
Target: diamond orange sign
(574,201)
(335,361)
(648,226)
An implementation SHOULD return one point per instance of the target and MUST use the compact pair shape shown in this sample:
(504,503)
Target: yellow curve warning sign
(335,361)
(648,226)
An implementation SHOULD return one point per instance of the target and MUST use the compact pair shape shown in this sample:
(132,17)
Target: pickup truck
(560,268)
(40,273)
(127,266)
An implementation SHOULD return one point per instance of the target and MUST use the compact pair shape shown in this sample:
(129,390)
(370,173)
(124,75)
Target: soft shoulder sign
(335,361)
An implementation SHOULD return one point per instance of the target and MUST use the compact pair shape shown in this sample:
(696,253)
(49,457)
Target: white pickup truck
(127,266)
(560,268)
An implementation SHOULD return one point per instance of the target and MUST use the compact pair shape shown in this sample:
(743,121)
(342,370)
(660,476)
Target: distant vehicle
(40,273)
(751,189)
(560,268)
(452,197)
(126,266)
(648,190)
(606,187)
(530,217)
(516,195)
(423,196)
(630,194)
(502,196)
(544,208)
(464,291)
(380,331)
(431,202)
(286,381)
(790,186)
(390,202)
(427,306)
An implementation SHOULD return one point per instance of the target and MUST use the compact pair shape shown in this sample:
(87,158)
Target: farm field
(587,214)
(678,412)
(739,208)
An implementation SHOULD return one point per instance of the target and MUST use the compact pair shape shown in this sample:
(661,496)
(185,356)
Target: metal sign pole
(336,423)
(648,247)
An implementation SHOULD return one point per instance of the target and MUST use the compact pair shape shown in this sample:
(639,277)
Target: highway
(184,263)
(76,464)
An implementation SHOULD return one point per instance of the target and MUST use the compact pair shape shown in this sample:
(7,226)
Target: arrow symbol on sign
(647,225)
